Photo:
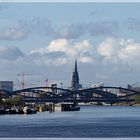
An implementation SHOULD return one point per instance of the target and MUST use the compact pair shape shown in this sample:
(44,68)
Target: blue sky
(44,39)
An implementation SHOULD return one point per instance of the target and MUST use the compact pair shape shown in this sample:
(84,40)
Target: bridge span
(56,94)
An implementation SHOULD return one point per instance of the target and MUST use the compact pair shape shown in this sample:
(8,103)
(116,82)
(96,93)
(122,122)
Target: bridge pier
(52,107)
(63,107)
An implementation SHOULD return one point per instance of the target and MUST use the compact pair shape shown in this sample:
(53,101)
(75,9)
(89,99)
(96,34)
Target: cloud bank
(62,51)
(120,51)
(112,59)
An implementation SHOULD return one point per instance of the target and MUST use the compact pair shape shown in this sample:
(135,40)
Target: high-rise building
(75,78)
(6,85)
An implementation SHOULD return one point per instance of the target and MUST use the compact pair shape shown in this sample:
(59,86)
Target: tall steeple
(75,70)
(75,78)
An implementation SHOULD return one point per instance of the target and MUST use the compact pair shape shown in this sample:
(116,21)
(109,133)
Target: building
(97,85)
(6,85)
(54,86)
(75,78)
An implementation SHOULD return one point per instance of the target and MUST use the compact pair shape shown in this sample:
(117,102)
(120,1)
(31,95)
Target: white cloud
(120,51)
(86,59)
(61,45)
(130,53)
(107,48)
(62,51)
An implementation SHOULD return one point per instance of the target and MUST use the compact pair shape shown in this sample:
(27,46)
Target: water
(90,121)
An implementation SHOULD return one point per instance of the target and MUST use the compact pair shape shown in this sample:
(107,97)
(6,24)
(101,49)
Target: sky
(43,40)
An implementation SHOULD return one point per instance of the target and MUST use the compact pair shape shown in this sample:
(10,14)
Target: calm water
(90,121)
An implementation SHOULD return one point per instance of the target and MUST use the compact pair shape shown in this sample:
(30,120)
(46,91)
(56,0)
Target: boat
(27,110)
(2,111)
(69,107)
(76,108)
(20,110)
(12,110)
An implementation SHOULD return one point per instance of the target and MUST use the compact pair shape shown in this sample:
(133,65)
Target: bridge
(75,94)
(57,95)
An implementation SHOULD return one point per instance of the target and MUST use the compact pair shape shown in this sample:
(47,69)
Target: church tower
(75,78)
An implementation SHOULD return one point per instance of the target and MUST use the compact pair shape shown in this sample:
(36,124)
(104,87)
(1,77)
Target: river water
(90,121)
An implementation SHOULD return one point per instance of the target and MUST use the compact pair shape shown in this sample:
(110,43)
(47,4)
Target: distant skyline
(44,39)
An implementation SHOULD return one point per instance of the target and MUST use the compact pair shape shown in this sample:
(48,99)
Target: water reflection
(90,121)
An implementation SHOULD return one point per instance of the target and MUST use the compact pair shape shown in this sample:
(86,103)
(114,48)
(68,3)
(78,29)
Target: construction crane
(22,75)
(23,80)
(45,81)
(18,83)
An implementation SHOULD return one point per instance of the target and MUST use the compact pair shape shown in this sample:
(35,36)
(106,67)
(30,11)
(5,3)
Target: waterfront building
(75,78)
(6,85)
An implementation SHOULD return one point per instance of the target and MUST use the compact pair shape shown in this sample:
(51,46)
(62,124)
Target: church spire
(75,78)
(75,66)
